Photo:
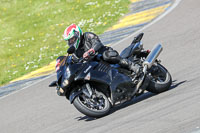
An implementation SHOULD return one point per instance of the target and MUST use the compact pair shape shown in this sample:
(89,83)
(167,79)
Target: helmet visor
(72,41)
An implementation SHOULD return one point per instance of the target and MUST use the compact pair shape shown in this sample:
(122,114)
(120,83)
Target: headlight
(65,82)
(61,90)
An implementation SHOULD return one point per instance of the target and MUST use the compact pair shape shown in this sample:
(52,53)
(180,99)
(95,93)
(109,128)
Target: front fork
(85,89)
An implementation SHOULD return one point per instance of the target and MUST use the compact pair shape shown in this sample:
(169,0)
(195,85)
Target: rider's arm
(95,42)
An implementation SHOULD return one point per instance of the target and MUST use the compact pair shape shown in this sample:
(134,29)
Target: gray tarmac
(38,109)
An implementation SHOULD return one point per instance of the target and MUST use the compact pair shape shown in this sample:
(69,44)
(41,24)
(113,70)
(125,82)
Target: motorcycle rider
(88,42)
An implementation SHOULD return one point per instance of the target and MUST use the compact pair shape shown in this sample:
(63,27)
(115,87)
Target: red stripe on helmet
(67,31)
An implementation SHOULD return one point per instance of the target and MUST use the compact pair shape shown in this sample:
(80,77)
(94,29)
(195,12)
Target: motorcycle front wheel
(160,79)
(96,106)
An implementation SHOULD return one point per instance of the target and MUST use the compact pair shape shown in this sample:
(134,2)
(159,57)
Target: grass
(31,30)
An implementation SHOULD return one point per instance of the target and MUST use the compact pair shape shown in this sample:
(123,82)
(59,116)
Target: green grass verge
(31,30)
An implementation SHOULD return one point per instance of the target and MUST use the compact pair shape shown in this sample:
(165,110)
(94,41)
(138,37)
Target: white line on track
(151,23)
(28,86)
(176,2)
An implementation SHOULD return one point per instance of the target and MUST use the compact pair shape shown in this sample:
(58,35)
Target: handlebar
(92,56)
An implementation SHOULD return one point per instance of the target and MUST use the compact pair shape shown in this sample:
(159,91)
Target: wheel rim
(96,103)
(160,75)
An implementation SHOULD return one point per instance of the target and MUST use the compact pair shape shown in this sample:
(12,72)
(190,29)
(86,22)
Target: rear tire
(160,81)
(92,107)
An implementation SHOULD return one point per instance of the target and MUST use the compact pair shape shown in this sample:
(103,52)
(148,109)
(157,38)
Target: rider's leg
(125,63)
(112,56)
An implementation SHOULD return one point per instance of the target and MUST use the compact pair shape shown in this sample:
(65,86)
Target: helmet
(72,35)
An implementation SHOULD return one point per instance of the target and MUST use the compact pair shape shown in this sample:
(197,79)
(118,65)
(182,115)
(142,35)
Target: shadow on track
(133,101)
(174,84)
(86,118)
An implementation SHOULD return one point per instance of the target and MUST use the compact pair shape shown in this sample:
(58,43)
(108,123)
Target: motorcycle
(94,86)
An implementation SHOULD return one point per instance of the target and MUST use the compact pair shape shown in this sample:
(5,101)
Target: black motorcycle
(94,86)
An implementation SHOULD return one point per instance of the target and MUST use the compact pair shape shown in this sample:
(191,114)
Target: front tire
(160,80)
(96,107)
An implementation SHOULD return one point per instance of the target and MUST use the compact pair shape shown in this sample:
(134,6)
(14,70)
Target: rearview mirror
(53,84)
(71,50)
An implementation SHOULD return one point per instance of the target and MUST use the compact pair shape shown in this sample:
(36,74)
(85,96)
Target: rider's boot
(125,63)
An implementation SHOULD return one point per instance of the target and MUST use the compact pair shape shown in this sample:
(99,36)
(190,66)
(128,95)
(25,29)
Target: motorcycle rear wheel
(96,106)
(160,81)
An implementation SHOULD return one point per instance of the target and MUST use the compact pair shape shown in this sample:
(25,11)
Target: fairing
(119,84)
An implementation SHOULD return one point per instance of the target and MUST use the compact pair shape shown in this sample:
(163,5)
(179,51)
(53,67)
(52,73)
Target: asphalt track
(38,109)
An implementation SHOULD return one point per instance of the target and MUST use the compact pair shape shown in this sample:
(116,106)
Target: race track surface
(38,109)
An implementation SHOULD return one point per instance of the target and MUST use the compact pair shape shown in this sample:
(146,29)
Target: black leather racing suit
(90,40)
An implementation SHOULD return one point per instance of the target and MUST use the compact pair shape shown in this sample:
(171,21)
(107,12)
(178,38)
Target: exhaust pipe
(149,62)
(152,56)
